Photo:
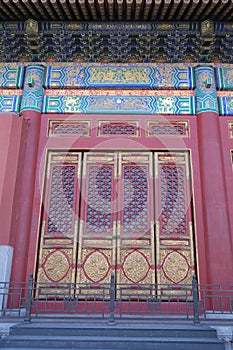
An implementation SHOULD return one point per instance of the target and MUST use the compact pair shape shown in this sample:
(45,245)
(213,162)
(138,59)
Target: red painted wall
(141,143)
(214,166)
(12,136)
(23,230)
(212,181)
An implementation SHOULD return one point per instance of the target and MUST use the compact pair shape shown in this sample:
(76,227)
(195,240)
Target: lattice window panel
(168,128)
(230,129)
(116,128)
(69,128)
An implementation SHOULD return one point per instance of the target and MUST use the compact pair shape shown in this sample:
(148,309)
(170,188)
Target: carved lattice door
(124,212)
(174,229)
(116,228)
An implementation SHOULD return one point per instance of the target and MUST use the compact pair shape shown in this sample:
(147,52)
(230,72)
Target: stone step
(36,348)
(124,330)
(107,342)
(90,336)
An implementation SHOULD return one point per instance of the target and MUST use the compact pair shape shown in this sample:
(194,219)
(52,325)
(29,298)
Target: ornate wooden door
(116,226)
(174,220)
(59,225)
(127,213)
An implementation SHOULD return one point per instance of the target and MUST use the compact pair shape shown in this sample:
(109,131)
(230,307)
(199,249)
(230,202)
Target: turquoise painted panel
(65,76)
(113,104)
(169,76)
(205,92)
(10,103)
(119,104)
(63,104)
(120,76)
(224,78)
(11,76)
(174,105)
(225,105)
(33,91)
(156,76)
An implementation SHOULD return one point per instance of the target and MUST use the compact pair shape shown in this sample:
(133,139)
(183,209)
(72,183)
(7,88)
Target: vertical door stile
(115,218)
(118,199)
(58,247)
(151,198)
(190,214)
(174,239)
(77,204)
(157,211)
(81,220)
(136,255)
(96,258)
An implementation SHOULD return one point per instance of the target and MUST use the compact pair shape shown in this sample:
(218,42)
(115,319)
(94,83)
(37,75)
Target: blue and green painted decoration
(11,76)
(10,103)
(224,78)
(24,88)
(226,105)
(205,91)
(155,76)
(33,92)
(119,104)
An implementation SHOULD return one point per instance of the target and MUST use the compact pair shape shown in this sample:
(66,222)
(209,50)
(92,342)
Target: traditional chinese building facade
(116,151)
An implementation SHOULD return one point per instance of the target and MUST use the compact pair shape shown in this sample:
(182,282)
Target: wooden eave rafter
(116,10)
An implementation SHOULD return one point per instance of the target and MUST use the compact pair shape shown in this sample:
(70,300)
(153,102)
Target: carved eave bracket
(207,37)
(32,39)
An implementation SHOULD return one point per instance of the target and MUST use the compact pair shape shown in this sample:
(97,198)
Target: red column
(217,234)
(31,111)
(27,194)
(11,147)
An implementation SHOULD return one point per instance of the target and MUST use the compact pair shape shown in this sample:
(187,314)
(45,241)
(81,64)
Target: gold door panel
(58,238)
(174,236)
(97,230)
(135,231)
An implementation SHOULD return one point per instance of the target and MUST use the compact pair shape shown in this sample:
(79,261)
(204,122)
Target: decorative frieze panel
(11,76)
(119,104)
(62,104)
(99,104)
(10,103)
(174,105)
(226,105)
(156,76)
(224,77)
(119,76)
